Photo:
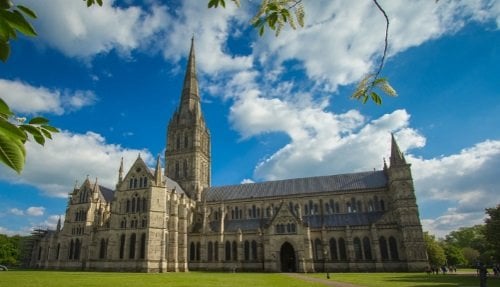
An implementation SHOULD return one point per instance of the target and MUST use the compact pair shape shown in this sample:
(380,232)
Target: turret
(158,174)
(120,173)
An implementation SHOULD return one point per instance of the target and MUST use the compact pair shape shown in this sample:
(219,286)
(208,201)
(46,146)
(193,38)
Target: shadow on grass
(451,280)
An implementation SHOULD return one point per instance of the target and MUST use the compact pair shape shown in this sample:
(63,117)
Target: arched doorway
(287,258)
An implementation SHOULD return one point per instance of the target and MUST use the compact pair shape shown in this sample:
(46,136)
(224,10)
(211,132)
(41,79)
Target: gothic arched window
(358,254)
(367,248)
(393,247)
(254,250)
(210,251)
(131,254)
(247,250)
(216,251)
(122,245)
(142,253)
(333,249)
(318,252)
(185,168)
(228,251)
(342,250)
(102,250)
(192,251)
(235,251)
(383,248)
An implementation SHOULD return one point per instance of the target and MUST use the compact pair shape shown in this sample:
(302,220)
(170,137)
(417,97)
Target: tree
(14,130)
(10,250)
(454,255)
(471,256)
(435,252)
(472,237)
(492,230)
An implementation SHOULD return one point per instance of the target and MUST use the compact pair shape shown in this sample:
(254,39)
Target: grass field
(409,279)
(109,279)
(90,279)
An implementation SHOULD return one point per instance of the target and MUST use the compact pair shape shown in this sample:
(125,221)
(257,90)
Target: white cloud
(467,181)
(16,211)
(54,167)
(345,38)
(211,29)
(247,180)
(10,232)
(51,221)
(27,99)
(78,31)
(35,210)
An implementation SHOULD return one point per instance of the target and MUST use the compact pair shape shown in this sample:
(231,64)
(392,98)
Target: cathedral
(172,220)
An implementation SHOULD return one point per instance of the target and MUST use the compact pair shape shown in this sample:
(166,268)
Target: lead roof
(297,186)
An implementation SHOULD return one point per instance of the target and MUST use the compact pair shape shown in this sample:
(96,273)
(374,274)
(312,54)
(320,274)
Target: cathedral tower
(404,205)
(187,153)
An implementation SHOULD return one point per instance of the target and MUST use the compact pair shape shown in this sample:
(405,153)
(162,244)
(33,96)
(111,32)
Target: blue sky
(278,107)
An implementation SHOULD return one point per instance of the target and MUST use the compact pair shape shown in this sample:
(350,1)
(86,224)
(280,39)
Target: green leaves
(367,89)
(276,13)
(216,3)
(14,133)
(11,20)
(92,2)
(12,152)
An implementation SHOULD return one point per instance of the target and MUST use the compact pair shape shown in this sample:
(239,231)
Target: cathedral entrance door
(287,258)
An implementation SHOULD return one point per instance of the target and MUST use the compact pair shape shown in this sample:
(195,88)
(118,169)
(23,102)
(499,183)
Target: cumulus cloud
(78,31)
(35,210)
(211,29)
(16,211)
(467,181)
(27,99)
(353,44)
(54,167)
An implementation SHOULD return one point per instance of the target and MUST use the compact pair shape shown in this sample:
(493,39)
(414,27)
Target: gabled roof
(172,184)
(106,193)
(297,186)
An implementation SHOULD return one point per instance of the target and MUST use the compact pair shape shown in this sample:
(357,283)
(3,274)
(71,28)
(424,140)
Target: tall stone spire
(187,154)
(190,99)
(397,157)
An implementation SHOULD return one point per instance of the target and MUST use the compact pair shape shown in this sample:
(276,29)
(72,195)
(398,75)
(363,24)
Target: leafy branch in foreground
(272,13)
(14,133)
(275,14)
(368,86)
(11,20)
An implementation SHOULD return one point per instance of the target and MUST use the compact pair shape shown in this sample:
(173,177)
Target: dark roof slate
(107,194)
(172,184)
(308,185)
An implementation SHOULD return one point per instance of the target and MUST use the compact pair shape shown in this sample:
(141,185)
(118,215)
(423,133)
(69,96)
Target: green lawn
(84,279)
(191,279)
(409,279)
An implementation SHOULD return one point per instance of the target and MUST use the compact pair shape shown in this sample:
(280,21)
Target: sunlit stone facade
(171,219)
